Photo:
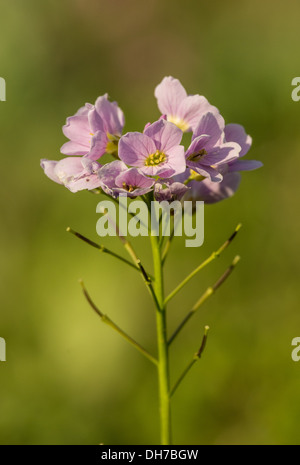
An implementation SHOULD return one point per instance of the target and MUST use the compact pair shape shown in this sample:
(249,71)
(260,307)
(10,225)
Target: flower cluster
(154,160)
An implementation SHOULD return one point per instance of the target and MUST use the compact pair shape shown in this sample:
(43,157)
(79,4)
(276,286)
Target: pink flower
(154,160)
(208,151)
(181,109)
(107,175)
(169,191)
(73,172)
(156,151)
(116,179)
(236,133)
(94,129)
(213,192)
(133,183)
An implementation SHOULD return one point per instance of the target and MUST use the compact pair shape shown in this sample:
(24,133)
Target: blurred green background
(68,378)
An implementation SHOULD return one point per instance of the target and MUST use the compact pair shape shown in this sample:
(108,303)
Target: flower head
(181,109)
(208,150)
(236,133)
(116,179)
(133,183)
(154,160)
(213,192)
(156,151)
(169,191)
(107,175)
(94,129)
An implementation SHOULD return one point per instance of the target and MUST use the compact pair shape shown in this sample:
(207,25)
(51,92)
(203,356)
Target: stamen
(155,158)
(180,123)
(197,155)
(128,188)
(112,144)
(196,176)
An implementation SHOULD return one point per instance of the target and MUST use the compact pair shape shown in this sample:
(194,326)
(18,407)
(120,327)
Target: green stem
(102,248)
(192,362)
(162,345)
(128,247)
(113,325)
(209,292)
(212,257)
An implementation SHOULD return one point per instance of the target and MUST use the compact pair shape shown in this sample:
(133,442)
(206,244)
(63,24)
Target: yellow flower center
(197,156)
(194,176)
(180,123)
(128,188)
(155,158)
(112,144)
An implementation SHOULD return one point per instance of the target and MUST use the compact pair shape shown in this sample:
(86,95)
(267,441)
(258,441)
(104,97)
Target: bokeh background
(68,378)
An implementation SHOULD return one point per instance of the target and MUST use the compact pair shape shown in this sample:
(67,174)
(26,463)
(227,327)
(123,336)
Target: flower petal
(212,192)
(77,129)
(108,173)
(111,114)
(174,191)
(192,108)
(96,122)
(165,135)
(49,169)
(88,182)
(198,144)
(244,165)
(208,172)
(68,168)
(169,93)
(73,148)
(236,133)
(134,177)
(84,111)
(212,125)
(176,160)
(135,147)
(98,146)
(225,153)
(133,194)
